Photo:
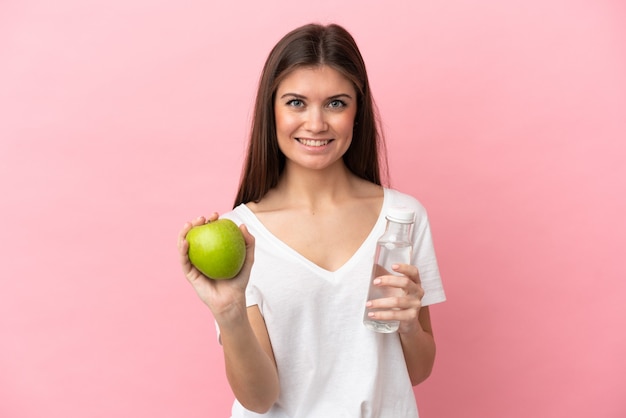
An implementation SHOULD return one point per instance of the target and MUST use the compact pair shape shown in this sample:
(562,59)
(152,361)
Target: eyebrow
(300,96)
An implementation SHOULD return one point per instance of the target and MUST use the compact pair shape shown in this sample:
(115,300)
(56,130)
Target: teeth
(313,142)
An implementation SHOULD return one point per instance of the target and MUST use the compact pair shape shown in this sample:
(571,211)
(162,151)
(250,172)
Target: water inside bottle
(390,254)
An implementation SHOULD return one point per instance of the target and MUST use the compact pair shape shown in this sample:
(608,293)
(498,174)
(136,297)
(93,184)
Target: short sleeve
(425,260)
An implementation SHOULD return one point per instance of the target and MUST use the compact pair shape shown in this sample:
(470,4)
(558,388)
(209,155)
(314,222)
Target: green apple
(217,249)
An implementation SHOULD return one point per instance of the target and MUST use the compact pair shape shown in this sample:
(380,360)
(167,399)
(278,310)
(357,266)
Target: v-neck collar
(250,218)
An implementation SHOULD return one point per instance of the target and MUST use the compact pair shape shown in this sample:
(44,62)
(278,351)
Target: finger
(404,285)
(247,236)
(250,242)
(395,315)
(200,220)
(250,245)
(395,303)
(183,245)
(408,270)
(184,257)
(401,282)
(190,272)
(182,233)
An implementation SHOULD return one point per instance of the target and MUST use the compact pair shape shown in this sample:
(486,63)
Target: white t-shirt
(329,364)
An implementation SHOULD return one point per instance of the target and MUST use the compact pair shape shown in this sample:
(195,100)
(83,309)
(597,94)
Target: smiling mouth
(313,142)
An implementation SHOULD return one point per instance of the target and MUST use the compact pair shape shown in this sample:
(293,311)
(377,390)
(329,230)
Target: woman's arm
(416,334)
(418,347)
(250,364)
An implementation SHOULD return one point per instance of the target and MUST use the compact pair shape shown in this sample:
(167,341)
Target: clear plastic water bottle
(393,247)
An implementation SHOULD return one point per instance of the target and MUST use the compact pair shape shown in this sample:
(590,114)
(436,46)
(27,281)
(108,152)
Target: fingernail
(377,281)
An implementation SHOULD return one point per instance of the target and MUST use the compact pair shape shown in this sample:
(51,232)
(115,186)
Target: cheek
(284,122)
(346,124)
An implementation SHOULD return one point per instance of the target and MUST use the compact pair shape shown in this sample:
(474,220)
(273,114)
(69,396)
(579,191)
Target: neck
(314,188)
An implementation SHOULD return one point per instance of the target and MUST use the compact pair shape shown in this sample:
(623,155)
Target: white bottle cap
(401,215)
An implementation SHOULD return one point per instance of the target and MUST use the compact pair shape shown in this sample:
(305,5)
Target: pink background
(120,120)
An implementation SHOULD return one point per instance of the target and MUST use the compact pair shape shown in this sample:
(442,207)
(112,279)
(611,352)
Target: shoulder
(239,214)
(397,198)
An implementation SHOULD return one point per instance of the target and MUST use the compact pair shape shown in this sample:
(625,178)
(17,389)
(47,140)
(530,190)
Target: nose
(316,120)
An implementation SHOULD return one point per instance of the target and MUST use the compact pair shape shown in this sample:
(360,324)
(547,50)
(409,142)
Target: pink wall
(119,120)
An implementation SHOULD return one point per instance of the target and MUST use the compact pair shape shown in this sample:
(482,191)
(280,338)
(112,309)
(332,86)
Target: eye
(336,104)
(295,103)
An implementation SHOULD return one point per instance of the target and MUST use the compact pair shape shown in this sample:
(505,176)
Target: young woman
(311,207)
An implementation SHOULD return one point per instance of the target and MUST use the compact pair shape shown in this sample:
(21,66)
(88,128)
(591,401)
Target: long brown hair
(306,46)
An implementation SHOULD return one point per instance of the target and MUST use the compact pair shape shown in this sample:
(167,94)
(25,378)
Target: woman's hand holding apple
(225,298)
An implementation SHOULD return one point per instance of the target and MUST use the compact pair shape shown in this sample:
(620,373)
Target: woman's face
(314,112)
